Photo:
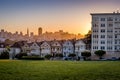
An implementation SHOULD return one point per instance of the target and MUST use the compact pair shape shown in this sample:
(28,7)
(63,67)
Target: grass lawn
(59,70)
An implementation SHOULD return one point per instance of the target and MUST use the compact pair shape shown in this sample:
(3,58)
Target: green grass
(59,70)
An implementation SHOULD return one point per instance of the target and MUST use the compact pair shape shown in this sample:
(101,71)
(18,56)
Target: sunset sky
(72,16)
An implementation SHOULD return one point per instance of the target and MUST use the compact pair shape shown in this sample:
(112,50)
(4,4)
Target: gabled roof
(60,42)
(39,43)
(29,44)
(80,40)
(18,44)
(48,42)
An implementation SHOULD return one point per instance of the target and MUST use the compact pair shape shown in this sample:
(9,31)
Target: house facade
(26,48)
(68,48)
(3,47)
(79,47)
(56,47)
(45,48)
(35,48)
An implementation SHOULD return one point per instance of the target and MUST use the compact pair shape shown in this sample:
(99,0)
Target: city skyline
(72,16)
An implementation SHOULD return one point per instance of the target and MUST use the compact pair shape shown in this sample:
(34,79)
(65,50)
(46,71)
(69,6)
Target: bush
(86,54)
(59,55)
(20,55)
(48,56)
(4,55)
(32,58)
(71,55)
(100,53)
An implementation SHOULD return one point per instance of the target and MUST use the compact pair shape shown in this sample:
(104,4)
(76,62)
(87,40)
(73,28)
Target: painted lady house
(79,47)
(45,48)
(68,48)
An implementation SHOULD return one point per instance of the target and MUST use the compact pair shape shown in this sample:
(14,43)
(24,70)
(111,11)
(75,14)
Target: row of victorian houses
(47,47)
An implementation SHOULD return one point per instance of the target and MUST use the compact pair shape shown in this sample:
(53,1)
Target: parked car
(114,58)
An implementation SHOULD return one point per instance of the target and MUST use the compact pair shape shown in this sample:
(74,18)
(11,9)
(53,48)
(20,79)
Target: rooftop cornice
(104,13)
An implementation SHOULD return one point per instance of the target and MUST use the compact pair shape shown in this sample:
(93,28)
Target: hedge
(32,58)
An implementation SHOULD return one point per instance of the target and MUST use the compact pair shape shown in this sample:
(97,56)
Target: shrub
(85,54)
(32,58)
(4,55)
(100,53)
(59,55)
(48,56)
(71,55)
(20,55)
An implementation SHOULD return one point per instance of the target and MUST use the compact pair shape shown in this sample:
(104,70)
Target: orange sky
(72,16)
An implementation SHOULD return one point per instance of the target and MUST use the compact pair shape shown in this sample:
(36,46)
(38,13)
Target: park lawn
(59,70)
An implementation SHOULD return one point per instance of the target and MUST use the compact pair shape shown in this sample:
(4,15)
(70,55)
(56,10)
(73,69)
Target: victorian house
(56,47)
(26,48)
(68,48)
(3,47)
(16,48)
(79,47)
(45,48)
(35,48)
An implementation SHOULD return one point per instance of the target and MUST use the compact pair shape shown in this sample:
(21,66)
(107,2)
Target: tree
(86,54)
(4,55)
(9,42)
(87,40)
(20,55)
(100,53)
(48,56)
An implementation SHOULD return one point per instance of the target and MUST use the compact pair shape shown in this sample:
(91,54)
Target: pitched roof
(18,44)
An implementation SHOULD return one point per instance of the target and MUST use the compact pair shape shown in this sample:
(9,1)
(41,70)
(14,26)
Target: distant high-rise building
(31,34)
(21,33)
(2,30)
(27,32)
(39,31)
(106,33)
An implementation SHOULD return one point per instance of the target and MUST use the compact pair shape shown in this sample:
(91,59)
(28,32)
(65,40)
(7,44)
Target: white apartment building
(106,33)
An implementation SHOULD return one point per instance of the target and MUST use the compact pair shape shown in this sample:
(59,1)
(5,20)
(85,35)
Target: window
(115,41)
(109,36)
(116,19)
(95,25)
(95,19)
(109,47)
(102,36)
(102,47)
(115,36)
(109,42)
(110,19)
(95,36)
(102,19)
(95,41)
(95,30)
(95,47)
(110,30)
(110,25)
(115,47)
(102,42)
(103,30)
(102,25)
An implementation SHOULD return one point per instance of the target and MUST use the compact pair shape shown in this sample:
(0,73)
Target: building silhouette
(39,31)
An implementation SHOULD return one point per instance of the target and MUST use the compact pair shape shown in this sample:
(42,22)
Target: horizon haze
(72,16)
